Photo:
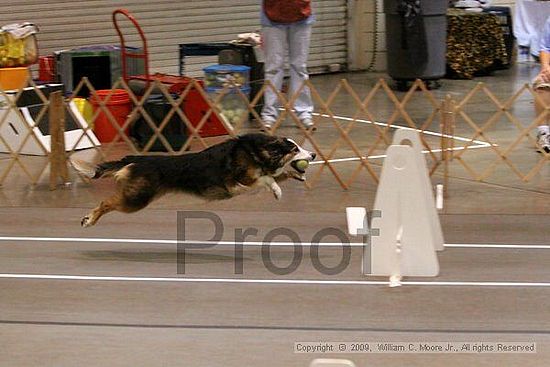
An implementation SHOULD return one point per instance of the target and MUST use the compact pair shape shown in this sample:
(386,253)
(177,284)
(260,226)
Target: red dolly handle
(124,53)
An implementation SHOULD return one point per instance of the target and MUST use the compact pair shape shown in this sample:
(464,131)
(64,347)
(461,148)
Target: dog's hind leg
(106,206)
(131,197)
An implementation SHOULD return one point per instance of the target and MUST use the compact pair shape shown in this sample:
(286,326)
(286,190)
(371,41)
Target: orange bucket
(119,105)
(13,78)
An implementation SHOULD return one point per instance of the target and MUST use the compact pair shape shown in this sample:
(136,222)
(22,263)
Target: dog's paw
(276,190)
(278,193)
(86,222)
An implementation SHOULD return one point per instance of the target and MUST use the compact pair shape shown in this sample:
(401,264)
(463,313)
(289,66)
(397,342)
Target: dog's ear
(281,146)
(255,146)
(266,150)
(291,145)
(274,151)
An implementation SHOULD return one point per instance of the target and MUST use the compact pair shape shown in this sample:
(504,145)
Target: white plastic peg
(357,222)
(439,197)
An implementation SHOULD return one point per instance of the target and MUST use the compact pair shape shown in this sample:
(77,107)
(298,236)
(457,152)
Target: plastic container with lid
(226,75)
(18,46)
(232,105)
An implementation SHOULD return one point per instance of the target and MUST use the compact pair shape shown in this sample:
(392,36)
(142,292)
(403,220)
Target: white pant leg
(298,40)
(274,43)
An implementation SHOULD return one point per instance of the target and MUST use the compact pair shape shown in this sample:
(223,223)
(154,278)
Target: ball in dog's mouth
(300,165)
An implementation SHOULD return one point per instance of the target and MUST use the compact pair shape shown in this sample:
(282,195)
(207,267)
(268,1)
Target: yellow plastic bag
(86,110)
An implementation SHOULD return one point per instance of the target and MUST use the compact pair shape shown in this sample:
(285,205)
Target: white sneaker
(308,124)
(267,125)
(543,142)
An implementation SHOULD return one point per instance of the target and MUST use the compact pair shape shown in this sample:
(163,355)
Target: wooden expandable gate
(450,129)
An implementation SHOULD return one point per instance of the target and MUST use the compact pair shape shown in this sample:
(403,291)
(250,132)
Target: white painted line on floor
(427,132)
(351,159)
(473,245)
(86,239)
(266,281)
(168,242)
(245,244)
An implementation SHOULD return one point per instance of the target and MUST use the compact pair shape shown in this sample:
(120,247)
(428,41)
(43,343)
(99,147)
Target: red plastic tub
(119,105)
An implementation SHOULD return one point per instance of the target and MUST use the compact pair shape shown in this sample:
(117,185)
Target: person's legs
(274,43)
(543,131)
(298,41)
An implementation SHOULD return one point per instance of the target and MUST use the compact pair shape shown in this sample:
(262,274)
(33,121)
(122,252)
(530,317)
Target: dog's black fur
(219,172)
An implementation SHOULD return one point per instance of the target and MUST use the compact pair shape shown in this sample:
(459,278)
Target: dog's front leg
(276,189)
(272,185)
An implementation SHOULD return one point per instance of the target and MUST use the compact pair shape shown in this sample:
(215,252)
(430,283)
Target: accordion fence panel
(452,131)
(16,158)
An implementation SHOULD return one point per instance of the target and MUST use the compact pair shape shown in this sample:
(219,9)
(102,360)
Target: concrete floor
(67,301)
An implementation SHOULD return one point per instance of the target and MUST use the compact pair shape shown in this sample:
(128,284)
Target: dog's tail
(105,169)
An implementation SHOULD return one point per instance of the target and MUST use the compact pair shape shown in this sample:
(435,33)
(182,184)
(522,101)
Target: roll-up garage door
(69,24)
